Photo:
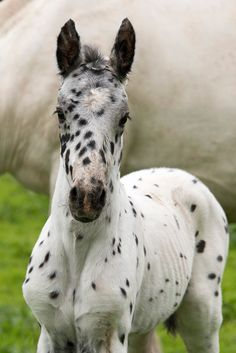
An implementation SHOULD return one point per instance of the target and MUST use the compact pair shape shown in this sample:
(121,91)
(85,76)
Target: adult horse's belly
(181,90)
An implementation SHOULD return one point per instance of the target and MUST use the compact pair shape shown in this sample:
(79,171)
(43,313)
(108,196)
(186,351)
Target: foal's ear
(68,48)
(122,53)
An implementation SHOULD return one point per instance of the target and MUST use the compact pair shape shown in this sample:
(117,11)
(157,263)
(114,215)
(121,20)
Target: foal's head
(92,112)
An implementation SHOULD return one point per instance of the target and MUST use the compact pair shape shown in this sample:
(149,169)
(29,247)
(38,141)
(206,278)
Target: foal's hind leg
(199,316)
(199,319)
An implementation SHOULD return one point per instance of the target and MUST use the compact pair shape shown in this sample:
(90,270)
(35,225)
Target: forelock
(93,59)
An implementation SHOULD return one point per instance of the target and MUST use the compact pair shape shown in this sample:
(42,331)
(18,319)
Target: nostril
(102,198)
(73,194)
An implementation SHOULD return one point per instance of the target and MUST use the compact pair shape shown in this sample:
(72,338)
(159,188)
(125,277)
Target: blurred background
(182,100)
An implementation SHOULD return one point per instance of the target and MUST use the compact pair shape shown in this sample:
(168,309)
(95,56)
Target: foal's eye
(124,119)
(60,114)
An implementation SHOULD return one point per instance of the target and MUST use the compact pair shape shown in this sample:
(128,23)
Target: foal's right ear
(68,48)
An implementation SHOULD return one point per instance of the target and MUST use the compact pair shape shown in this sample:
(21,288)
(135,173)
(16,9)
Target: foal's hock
(118,256)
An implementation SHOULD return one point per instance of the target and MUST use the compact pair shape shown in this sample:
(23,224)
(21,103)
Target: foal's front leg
(43,343)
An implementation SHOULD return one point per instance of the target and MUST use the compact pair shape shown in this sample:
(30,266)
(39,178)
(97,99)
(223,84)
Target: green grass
(22,214)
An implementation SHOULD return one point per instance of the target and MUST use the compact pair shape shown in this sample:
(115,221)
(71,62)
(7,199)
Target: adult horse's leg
(146,343)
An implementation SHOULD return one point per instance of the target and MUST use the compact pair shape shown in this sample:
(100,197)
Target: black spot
(82,151)
(113,252)
(156,185)
(79,236)
(73,296)
(142,215)
(86,161)
(175,305)
(226,229)
(113,241)
(52,275)
(150,299)
(216,293)
(112,99)
(116,138)
(63,148)
(136,239)
(194,181)
(76,117)
(122,338)
(54,294)
(201,246)
(92,144)
(181,255)
(78,93)
(27,280)
(135,187)
(41,243)
(193,207)
(144,251)
(77,147)
(103,156)
(148,266)
(82,122)
(74,101)
(112,147)
(30,259)
(47,256)
(100,112)
(67,161)
(134,212)
(93,285)
(127,282)
(31,269)
(212,276)
(150,197)
(161,291)
(219,258)
(105,259)
(197,232)
(130,308)
(123,291)
(88,134)
(167,280)
(71,170)
(48,234)
(77,133)
(41,265)
(71,107)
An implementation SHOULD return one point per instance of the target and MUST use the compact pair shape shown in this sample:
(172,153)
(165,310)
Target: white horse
(185,110)
(118,256)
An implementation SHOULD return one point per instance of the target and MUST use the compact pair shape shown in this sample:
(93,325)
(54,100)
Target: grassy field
(22,214)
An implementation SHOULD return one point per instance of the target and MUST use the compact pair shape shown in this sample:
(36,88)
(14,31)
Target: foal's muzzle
(86,205)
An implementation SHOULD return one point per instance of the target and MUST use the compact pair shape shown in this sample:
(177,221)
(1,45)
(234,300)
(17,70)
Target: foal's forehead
(92,89)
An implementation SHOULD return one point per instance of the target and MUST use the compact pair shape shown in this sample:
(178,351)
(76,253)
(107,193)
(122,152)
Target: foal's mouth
(84,219)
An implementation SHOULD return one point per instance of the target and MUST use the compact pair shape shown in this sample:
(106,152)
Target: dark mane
(93,59)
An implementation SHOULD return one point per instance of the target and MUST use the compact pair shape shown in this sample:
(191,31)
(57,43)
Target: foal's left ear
(68,48)
(122,54)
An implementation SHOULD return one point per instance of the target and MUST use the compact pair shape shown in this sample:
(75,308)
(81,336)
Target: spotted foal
(118,256)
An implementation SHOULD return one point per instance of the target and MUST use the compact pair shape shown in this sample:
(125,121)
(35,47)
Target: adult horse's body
(184,114)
